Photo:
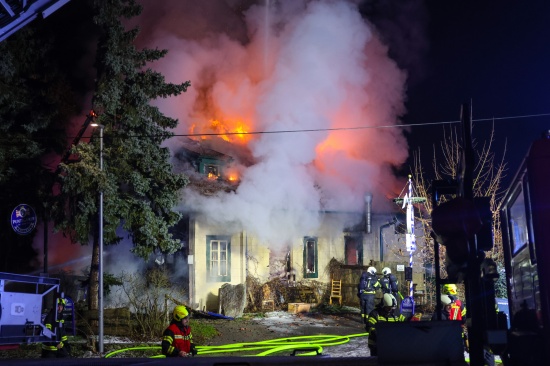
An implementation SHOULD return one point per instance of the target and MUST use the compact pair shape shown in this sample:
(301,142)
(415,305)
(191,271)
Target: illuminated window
(218,258)
(310,258)
(212,171)
(354,250)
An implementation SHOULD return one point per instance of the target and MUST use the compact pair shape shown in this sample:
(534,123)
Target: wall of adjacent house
(258,258)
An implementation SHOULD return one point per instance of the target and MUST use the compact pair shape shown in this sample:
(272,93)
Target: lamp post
(100,275)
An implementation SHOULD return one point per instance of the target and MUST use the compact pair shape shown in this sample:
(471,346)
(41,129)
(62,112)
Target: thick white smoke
(285,66)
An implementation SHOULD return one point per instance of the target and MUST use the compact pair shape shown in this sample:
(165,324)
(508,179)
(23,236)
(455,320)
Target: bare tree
(446,165)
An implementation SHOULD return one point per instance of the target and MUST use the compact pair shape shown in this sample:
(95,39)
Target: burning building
(294,113)
(217,253)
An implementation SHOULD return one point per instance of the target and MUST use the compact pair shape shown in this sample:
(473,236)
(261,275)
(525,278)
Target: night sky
(495,54)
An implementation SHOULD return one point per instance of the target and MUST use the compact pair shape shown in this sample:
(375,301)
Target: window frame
(358,241)
(315,273)
(217,277)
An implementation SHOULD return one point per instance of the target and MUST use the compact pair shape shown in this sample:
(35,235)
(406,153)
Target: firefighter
(458,311)
(446,307)
(366,291)
(384,312)
(177,340)
(451,311)
(390,284)
(59,346)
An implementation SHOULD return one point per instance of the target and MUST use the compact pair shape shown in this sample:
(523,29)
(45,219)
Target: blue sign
(23,219)
(407,307)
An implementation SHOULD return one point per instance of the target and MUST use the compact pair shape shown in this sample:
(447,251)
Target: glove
(193,349)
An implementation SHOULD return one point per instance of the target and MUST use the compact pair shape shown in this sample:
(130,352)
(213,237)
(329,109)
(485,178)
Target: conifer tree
(139,187)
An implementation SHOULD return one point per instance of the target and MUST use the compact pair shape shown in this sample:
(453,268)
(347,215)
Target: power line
(338,128)
(363,127)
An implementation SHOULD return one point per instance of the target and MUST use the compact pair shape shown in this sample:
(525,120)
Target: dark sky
(495,54)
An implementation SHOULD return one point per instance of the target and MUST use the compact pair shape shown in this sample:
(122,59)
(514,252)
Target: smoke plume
(313,66)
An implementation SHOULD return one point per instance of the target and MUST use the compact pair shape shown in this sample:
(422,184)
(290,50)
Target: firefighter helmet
(386,271)
(389,300)
(446,300)
(371,270)
(180,312)
(61,301)
(449,289)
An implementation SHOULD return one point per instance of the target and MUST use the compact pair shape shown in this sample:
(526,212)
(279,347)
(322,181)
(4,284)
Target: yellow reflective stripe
(185,338)
(49,326)
(168,339)
(64,338)
(49,348)
(171,350)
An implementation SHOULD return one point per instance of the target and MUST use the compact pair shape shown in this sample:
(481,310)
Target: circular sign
(407,306)
(23,219)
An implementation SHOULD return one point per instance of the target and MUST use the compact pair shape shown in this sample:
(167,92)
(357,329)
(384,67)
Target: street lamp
(100,284)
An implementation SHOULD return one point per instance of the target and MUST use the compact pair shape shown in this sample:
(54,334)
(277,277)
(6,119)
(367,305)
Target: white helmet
(446,300)
(389,300)
(371,270)
(386,271)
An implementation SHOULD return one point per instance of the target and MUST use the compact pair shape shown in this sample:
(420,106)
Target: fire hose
(311,345)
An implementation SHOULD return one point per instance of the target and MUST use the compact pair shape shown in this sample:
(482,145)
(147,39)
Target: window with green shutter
(310,257)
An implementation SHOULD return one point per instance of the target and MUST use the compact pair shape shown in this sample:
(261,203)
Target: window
(354,250)
(218,258)
(518,221)
(210,167)
(212,171)
(310,257)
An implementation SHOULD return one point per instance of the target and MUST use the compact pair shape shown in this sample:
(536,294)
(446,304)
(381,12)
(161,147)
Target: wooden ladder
(336,291)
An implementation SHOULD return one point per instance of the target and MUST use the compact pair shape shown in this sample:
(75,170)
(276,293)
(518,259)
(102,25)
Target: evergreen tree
(137,181)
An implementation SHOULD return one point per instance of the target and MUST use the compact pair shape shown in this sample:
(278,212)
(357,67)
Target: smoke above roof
(314,66)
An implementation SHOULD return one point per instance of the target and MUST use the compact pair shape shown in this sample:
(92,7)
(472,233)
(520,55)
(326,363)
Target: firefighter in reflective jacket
(458,310)
(384,312)
(446,307)
(390,284)
(177,338)
(366,291)
(451,311)
(59,346)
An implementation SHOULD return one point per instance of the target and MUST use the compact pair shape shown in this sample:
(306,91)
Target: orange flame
(234,131)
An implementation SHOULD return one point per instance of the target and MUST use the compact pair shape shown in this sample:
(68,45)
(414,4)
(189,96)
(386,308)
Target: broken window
(218,258)
(354,250)
(310,257)
(212,171)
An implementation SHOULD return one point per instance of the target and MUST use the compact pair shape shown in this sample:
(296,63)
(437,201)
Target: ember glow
(276,67)
(234,132)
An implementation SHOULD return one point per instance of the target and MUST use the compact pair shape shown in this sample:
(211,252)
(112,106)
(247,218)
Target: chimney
(368,211)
